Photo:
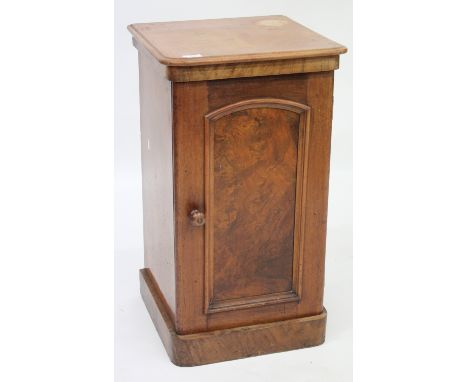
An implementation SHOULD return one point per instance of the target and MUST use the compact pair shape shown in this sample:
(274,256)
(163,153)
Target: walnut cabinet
(236,121)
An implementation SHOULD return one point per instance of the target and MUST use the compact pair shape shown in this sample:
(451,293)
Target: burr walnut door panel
(254,191)
(252,154)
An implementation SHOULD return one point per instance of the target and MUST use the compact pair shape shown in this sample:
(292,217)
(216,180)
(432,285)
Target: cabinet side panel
(156,159)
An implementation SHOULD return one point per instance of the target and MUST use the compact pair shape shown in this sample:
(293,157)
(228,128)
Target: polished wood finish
(246,69)
(242,39)
(232,48)
(193,102)
(235,155)
(252,69)
(253,175)
(157,185)
(228,344)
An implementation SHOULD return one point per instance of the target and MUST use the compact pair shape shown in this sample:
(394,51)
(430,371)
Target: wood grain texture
(229,344)
(252,164)
(320,98)
(190,104)
(252,69)
(243,39)
(254,190)
(157,185)
(235,161)
(194,100)
(225,92)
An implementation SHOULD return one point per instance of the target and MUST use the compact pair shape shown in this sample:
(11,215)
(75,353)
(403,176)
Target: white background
(410,187)
(139,352)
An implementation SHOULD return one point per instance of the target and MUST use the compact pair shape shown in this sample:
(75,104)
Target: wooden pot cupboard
(236,121)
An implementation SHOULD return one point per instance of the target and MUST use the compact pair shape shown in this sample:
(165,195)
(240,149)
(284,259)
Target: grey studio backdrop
(139,353)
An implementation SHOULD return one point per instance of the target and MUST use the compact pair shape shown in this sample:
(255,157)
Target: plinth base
(228,344)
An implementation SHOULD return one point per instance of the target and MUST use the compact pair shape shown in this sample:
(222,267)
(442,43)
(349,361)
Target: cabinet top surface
(245,39)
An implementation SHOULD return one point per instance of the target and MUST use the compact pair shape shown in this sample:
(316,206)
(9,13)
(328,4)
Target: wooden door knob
(197,218)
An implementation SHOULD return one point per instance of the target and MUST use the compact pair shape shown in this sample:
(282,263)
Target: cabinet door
(252,154)
(254,192)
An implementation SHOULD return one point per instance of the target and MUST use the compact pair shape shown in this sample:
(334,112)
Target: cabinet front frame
(192,102)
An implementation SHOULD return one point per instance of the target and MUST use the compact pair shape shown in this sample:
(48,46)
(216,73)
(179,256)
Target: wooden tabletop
(245,39)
